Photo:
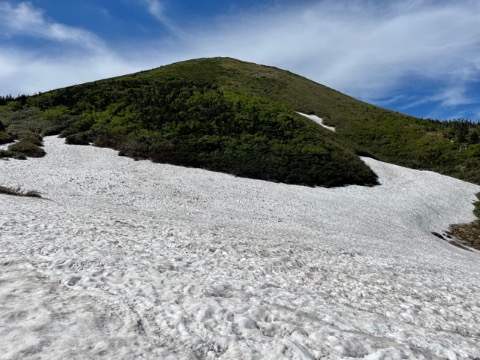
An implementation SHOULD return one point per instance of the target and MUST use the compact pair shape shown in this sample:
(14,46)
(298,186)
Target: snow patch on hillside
(318,120)
(127,259)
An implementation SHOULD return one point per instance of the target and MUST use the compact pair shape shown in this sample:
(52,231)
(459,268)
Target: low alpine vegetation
(28,143)
(4,137)
(194,123)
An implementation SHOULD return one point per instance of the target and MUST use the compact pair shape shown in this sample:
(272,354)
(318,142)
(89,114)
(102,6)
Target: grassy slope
(194,120)
(384,134)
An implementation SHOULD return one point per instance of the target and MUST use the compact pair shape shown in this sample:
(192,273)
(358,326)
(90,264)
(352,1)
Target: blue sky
(420,57)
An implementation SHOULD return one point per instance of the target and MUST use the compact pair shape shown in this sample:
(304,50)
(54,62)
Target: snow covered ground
(127,259)
(318,120)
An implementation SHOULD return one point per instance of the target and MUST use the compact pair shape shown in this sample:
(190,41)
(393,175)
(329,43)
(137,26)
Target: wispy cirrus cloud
(24,19)
(63,55)
(23,72)
(405,54)
(156,9)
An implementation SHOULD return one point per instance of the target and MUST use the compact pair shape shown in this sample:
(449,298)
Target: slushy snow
(127,259)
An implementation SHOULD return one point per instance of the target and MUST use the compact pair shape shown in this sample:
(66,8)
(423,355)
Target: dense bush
(21,132)
(53,129)
(5,138)
(82,138)
(469,234)
(28,142)
(26,148)
(6,154)
(195,123)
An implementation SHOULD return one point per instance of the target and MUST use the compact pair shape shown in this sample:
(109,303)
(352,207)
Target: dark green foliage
(18,192)
(53,130)
(21,132)
(81,138)
(24,126)
(474,137)
(6,154)
(26,148)
(195,123)
(4,100)
(5,138)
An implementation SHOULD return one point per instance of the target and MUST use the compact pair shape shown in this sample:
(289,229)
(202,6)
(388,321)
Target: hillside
(241,118)
(191,122)
(450,148)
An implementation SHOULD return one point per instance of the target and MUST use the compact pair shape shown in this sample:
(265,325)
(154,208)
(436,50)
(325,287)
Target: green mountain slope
(190,121)
(448,148)
(227,115)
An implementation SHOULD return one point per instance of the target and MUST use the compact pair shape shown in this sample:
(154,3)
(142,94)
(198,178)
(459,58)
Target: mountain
(451,148)
(241,118)
(107,257)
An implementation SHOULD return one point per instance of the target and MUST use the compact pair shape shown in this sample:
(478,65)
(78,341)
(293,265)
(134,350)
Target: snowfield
(128,259)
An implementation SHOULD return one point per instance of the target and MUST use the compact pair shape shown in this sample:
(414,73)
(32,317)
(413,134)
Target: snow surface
(127,259)
(318,120)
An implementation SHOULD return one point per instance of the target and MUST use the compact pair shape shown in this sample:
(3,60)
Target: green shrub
(79,124)
(83,138)
(22,132)
(54,129)
(6,154)
(31,138)
(27,148)
(29,143)
(5,138)
(19,156)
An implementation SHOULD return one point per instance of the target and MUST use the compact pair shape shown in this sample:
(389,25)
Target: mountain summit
(131,259)
(241,118)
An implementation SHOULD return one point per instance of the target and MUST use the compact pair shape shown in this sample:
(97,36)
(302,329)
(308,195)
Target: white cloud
(24,19)
(29,72)
(446,97)
(157,10)
(369,49)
